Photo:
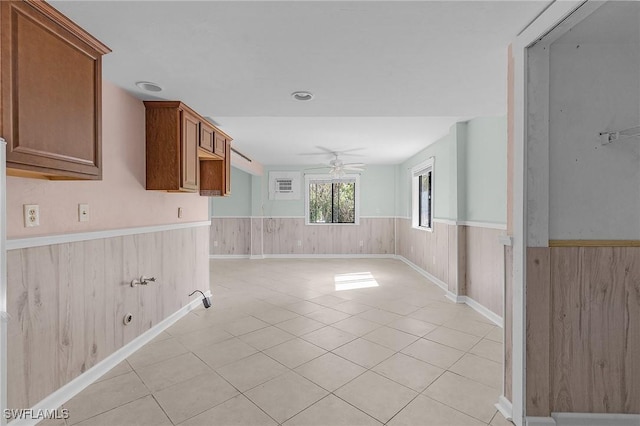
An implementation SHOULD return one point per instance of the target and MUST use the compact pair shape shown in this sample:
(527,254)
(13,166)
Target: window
(422,195)
(332,201)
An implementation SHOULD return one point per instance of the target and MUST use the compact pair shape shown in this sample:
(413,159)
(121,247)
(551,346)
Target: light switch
(83,212)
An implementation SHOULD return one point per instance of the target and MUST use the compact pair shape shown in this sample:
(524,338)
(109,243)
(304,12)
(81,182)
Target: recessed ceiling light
(302,96)
(148,86)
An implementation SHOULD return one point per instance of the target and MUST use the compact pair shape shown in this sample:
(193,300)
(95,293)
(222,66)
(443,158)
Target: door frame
(532,230)
(3,281)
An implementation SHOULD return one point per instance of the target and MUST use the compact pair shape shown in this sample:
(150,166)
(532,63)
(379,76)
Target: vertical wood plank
(538,296)
(595,341)
(485,267)
(113,282)
(71,344)
(17,330)
(508,323)
(256,236)
(95,307)
(441,249)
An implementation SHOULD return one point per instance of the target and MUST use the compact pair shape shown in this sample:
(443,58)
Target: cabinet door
(189,173)
(206,137)
(227,162)
(220,148)
(51,93)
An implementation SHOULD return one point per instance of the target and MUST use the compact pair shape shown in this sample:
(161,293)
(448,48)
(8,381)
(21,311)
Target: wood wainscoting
(583,330)
(67,302)
(282,236)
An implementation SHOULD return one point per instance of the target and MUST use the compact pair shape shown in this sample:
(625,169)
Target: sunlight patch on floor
(354,281)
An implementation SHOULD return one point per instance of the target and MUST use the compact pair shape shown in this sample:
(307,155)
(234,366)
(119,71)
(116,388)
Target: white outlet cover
(83,212)
(31,215)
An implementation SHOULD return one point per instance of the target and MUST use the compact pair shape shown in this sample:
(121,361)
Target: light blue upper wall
(470,165)
(377,192)
(442,191)
(470,173)
(485,183)
(239,202)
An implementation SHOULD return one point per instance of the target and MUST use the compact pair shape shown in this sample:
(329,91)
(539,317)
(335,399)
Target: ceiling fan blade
(354,164)
(350,150)
(353,169)
(327,150)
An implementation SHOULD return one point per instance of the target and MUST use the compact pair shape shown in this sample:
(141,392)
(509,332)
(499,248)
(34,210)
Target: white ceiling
(388,76)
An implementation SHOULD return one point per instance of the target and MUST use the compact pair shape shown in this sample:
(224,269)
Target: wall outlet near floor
(299,243)
(31,215)
(434,260)
(361,243)
(83,212)
(215,244)
(179,212)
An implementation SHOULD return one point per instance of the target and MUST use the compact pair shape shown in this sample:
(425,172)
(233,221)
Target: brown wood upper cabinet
(181,151)
(220,145)
(207,136)
(173,137)
(51,81)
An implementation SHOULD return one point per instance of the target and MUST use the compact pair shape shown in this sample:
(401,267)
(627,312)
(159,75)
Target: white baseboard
(329,256)
(229,256)
(494,318)
(482,310)
(256,256)
(585,419)
(455,298)
(504,406)
(540,421)
(424,273)
(77,385)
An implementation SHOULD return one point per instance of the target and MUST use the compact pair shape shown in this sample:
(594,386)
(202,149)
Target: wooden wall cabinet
(215,175)
(173,137)
(51,83)
(182,153)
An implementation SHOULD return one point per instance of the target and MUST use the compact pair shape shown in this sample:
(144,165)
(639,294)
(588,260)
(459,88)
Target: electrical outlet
(361,243)
(434,260)
(179,212)
(83,212)
(299,243)
(31,215)
(215,244)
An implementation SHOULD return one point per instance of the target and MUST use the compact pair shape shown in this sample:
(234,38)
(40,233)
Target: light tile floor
(283,346)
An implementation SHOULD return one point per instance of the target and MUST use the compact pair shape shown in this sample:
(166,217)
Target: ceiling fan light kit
(338,169)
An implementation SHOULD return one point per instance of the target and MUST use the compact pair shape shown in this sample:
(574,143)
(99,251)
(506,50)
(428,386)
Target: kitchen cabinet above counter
(51,87)
(185,152)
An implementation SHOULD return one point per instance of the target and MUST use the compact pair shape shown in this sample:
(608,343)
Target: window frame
(416,172)
(308,179)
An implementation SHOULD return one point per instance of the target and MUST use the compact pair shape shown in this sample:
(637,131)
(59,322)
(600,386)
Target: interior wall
(67,301)
(444,190)
(467,258)
(238,204)
(485,185)
(582,291)
(119,200)
(595,87)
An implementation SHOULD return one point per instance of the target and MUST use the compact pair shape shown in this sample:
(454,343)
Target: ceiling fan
(338,168)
